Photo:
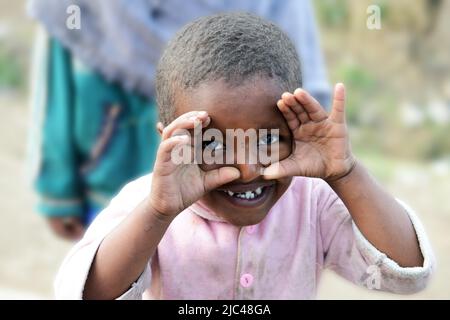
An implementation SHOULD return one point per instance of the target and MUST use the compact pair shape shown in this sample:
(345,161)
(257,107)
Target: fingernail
(207,121)
(183,138)
(269,171)
(202,113)
(298,90)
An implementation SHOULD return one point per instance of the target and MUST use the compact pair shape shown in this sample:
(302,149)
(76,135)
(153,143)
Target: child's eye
(213,145)
(269,139)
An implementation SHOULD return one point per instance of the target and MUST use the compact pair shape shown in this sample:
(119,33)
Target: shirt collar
(203,211)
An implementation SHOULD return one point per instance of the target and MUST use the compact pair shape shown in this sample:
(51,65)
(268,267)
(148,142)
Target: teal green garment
(95,137)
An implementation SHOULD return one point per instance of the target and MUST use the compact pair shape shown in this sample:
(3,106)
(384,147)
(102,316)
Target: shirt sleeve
(71,278)
(54,158)
(351,255)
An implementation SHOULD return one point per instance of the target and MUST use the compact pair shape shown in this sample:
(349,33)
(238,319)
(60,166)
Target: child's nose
(249,172)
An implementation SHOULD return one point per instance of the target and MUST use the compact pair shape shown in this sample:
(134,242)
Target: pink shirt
(203,257)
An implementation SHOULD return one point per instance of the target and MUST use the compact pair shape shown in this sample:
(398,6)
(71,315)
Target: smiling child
(245,229)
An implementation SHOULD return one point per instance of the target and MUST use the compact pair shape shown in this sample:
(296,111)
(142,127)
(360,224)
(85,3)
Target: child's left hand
(321,144)
(322,149)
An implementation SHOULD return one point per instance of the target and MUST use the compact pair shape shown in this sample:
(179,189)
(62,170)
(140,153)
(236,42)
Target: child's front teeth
(245,195)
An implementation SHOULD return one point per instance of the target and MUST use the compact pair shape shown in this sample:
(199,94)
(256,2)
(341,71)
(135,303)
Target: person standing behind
(94,110)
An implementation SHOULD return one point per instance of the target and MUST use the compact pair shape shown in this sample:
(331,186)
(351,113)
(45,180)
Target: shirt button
(246,280)
(251,229)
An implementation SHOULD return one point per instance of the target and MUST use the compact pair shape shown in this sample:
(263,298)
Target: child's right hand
(176,186)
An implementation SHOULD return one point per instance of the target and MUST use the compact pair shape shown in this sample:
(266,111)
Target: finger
(160,127)
(291,118)
(315,111)
(78,232)
(289,99)
(186,121)
(338,109)
(73,228)
(64,231)
(217,177)
(57,227)
(285,168)
(165,150)
(64,234)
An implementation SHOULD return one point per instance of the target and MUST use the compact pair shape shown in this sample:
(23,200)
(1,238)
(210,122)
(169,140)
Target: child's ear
(160,127)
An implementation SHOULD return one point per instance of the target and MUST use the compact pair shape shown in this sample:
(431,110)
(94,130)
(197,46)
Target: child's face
(251,105)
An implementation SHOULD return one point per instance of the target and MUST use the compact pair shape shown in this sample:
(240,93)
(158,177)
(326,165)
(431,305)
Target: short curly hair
(228,46)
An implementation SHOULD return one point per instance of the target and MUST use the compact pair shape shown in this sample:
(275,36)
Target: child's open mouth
(247,195)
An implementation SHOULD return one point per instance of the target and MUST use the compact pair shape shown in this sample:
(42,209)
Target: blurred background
(398,81)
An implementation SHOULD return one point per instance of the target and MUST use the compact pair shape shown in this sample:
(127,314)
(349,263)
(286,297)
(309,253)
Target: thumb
(284,168)
(338,109)
(215,178)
